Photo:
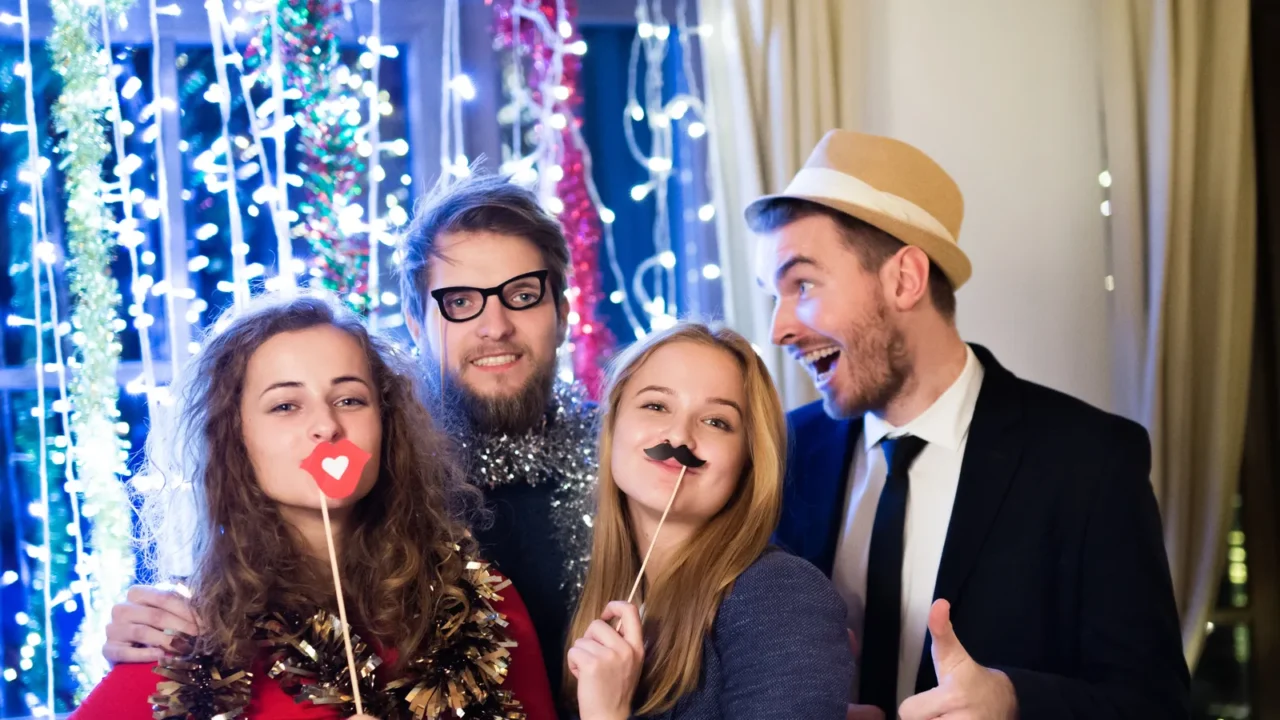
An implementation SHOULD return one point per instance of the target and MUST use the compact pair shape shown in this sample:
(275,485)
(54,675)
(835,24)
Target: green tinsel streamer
(99,451)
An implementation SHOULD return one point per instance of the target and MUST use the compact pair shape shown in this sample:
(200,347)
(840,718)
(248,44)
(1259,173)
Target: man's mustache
(683,455)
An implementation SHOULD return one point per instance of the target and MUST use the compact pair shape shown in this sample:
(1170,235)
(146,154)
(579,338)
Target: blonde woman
(730,627)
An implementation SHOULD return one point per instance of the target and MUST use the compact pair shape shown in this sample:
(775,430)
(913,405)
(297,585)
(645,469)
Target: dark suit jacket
(1053,564)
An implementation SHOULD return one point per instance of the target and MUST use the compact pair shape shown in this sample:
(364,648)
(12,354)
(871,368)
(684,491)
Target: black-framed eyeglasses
(460,304)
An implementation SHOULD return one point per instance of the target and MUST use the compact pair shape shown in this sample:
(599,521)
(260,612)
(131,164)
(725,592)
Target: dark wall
(1261,470)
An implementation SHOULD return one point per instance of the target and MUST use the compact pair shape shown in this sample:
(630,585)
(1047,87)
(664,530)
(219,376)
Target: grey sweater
(779,648)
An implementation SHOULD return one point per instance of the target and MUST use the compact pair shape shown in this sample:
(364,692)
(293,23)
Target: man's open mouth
(822,362)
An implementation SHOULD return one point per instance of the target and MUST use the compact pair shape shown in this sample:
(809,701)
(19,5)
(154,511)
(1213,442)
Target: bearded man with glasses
(484,269)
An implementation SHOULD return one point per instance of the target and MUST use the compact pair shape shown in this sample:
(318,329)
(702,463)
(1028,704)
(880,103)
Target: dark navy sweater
(779,648)
(521,543)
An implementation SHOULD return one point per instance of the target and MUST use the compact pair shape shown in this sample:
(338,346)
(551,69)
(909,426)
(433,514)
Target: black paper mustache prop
(683,455)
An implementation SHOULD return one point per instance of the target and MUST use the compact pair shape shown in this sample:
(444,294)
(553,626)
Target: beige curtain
(779,75)
(1178,113)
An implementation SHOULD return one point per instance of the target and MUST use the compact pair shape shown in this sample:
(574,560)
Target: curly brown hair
(405,541)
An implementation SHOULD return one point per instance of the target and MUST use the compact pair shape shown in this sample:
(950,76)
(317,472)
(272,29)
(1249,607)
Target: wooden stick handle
(342,606)
(654,540)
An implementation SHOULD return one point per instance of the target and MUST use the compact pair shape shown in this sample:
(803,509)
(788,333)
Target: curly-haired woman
(437,633)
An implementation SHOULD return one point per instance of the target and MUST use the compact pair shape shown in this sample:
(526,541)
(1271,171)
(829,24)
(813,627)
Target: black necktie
(882,623)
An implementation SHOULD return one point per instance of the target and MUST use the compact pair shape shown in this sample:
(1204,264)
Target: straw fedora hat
(889,184)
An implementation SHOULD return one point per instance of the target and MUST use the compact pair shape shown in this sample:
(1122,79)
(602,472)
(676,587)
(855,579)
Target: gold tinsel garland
(199,686)
(460,674)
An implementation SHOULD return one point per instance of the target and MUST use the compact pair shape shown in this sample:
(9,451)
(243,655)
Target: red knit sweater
(123,693)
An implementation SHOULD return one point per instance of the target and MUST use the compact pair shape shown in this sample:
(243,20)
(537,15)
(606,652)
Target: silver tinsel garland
(561,453)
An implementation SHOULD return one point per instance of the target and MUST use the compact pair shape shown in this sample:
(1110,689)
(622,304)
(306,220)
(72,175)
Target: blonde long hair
(681,602)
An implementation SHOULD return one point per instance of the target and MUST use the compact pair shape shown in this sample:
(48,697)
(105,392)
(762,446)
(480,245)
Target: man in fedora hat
(1004,531)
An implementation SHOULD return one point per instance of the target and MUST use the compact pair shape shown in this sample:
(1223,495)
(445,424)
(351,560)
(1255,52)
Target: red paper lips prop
(336,467)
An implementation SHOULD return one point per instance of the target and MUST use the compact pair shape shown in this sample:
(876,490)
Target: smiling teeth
(494,360)
(813,356)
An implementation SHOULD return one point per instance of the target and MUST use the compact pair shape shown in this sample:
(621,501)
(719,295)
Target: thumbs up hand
(965,688)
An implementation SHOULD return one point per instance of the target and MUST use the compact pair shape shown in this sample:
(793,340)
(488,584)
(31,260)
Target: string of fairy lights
(456,88)
(223,31)
(653,286)
(40,257)
(121,190)
(38,243)
(375,228)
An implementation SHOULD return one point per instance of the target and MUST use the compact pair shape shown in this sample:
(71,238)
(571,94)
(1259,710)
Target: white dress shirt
(934,477)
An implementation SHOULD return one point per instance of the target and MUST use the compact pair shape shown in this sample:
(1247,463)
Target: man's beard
(878,366)
(464,410)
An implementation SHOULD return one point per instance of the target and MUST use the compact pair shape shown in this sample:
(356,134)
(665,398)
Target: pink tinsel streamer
(590,337)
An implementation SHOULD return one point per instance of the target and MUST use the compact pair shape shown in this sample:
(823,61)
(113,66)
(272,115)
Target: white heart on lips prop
(334,467)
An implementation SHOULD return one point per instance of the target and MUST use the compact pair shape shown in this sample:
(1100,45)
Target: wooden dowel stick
(654,540)
(342,606)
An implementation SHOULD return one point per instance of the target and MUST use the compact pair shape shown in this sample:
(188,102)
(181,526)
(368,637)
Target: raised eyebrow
(348,379)
(656,388)
(282,384)
(790,263)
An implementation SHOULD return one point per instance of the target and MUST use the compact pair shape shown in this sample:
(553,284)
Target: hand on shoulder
(144,628)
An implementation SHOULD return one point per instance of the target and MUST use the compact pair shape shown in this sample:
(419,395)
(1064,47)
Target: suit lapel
(827,467)
(836,452)
(991,457)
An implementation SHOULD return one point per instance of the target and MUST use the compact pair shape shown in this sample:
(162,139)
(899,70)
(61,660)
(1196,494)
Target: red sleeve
(527,678)
(122,694)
